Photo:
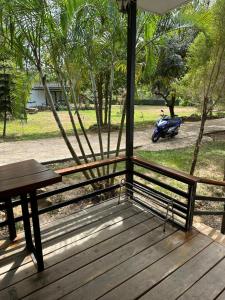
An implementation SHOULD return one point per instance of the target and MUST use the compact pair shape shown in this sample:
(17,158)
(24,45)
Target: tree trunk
(4,125)
(97,117)
(171,109)
(110,79)
(100,97)
(82,126)
(60,126)
(107,92)
(119,137)
(200,136)
(209,91)
(224,174)
(171,104)
(74,125)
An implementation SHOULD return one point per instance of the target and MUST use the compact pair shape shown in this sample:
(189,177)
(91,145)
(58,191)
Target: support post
(131,60)
(26,222)
(37,232)
(191,206)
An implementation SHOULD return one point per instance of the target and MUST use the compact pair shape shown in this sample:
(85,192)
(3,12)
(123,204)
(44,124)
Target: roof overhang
(160,6)
(156,6)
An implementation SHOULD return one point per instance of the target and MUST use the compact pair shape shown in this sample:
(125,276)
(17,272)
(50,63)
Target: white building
(38,98)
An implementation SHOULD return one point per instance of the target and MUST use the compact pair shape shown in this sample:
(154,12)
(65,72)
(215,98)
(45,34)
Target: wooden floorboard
(96,268)
(186,276)
(53,233)
(68,238)
(221,296)
(81,259)
(208,287)
(115,252)
(148,278)
(84,241)
(164,244)
(62,221)
(89,235)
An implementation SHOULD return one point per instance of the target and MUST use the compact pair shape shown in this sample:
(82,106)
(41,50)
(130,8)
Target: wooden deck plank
(182,279)
(66,239)
(76,215)
(62,271)
(18,259)
(221,296)
(145,280)
(68,221)
(114,277)
(98,267)
(88,211)
(84,241)
(48,235)
(209,286)
(120,255)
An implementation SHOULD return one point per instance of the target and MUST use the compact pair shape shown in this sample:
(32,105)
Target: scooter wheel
(155,137)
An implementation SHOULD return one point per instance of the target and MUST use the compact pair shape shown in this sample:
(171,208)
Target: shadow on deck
(115,251)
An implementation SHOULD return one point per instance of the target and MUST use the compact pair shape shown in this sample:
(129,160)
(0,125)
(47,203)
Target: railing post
(223,221)
(131,60)
(191,205)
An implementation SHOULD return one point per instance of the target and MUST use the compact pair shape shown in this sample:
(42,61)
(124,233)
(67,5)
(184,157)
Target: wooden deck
(115,252)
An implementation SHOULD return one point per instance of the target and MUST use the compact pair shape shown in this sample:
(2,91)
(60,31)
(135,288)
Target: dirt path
(54,148)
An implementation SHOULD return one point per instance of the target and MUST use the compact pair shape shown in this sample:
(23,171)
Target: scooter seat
(174,121)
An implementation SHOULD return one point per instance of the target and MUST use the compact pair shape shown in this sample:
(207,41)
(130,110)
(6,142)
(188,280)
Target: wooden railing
(154,179)
(183,199)
(203,198)
(186,209)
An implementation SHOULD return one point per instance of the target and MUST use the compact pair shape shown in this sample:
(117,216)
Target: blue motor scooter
(166,127)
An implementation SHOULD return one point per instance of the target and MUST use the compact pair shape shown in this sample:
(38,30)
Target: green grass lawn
(42,124)
(210,161)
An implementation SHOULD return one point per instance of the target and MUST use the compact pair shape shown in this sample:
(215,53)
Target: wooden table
(21,179)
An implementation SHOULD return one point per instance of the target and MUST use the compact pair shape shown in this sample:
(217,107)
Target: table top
(24,177)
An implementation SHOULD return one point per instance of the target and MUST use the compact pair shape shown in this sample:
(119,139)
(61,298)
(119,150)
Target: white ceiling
(159,6)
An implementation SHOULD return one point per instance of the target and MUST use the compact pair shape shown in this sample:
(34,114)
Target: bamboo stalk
(97,117)
(82,127)
(109,112)
(58,121)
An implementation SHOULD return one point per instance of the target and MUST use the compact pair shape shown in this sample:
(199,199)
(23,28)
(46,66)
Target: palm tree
(39,32)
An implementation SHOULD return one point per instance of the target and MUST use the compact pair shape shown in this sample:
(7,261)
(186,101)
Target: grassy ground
(210,162)
(42,124)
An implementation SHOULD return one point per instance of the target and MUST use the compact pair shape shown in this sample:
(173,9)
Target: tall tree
(204,82)
(69,40)
(15,87)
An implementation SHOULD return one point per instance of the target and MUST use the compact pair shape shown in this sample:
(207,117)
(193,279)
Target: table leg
(10,219)
(37,233)
(26,222)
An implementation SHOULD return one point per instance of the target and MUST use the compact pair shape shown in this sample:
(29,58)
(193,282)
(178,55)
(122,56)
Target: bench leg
(10,219)
(37,233)
(26,222)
